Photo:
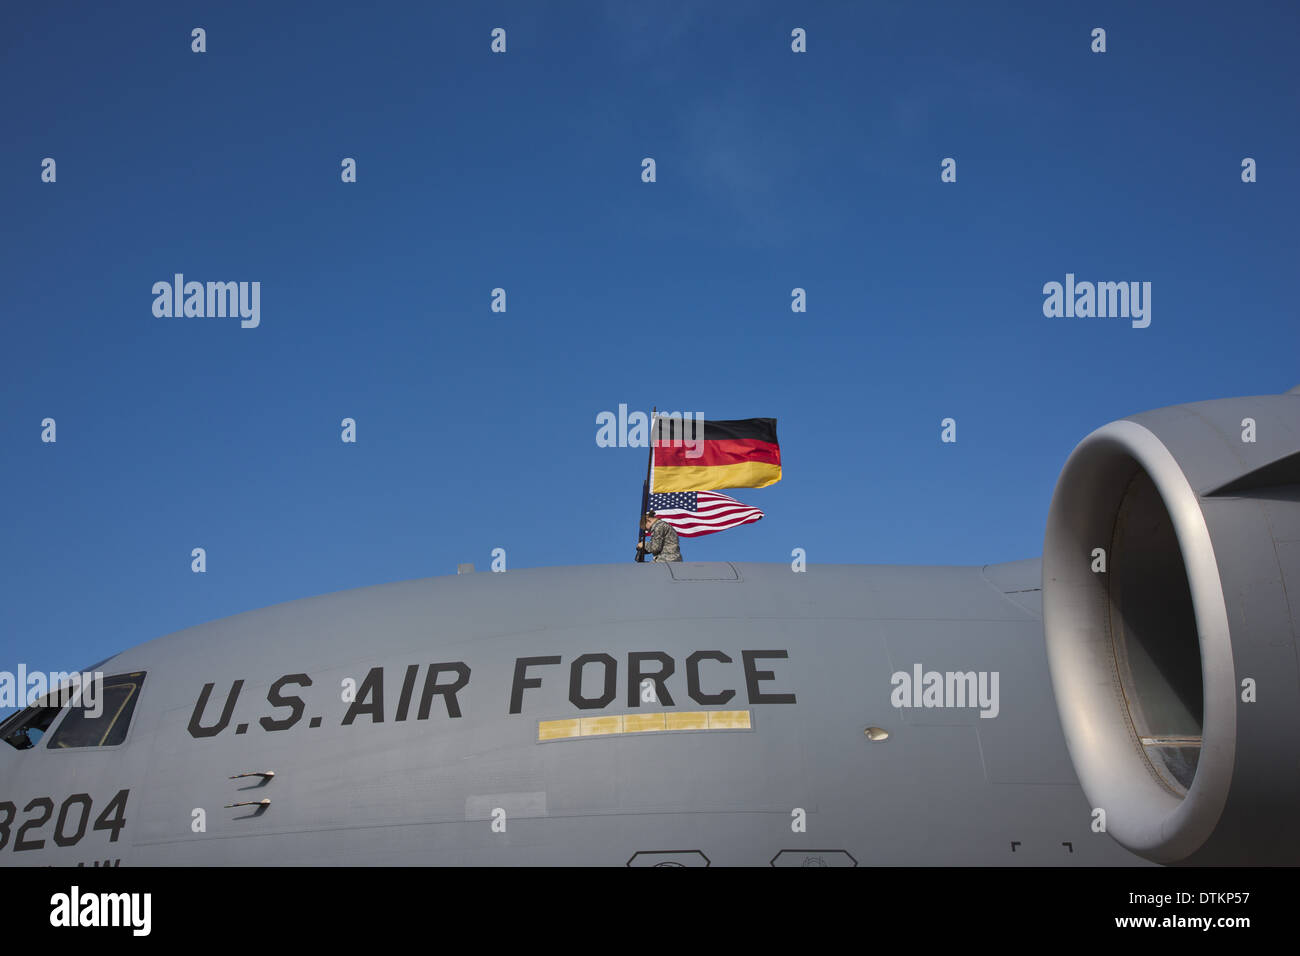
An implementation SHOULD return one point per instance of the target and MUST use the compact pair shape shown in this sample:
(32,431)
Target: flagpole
(645,487)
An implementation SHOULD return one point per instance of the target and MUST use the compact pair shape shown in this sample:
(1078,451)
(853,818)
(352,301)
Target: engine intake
(1167,561)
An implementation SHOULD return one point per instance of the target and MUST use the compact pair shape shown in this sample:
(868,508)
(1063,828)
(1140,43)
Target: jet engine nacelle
(1171,592)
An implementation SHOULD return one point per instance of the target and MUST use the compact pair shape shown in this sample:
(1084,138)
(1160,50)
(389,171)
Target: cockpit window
(106,723)
(24,730)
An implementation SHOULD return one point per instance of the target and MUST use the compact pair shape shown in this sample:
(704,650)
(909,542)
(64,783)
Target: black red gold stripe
(758,429)
(725,452)
(747,475)
(731,454)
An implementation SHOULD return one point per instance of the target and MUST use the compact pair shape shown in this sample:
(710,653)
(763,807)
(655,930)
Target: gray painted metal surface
(738,714)
(947,786)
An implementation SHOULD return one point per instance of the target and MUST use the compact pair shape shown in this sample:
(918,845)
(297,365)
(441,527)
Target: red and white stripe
(715,513)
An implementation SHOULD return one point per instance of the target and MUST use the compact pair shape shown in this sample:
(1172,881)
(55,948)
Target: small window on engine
(24,730)
(106,722)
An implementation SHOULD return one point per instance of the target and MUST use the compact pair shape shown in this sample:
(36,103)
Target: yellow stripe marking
(749,474)
(729,720)
(557,729)
(600,726)
(636,723)
(687,720)
(614,725)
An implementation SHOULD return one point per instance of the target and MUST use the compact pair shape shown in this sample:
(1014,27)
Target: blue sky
(522,170)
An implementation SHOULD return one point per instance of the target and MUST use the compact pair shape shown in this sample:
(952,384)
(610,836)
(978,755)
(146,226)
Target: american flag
(695,513)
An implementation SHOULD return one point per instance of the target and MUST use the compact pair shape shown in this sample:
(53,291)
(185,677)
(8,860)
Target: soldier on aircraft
(663,539)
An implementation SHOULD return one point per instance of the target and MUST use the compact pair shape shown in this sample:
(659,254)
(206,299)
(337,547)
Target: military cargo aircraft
(1132,698)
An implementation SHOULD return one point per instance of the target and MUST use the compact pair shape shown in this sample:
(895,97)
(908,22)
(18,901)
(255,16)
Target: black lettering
(635,675)
(372,685)
(575,682)
(196,726)
(753,676)
(448,691)
(408,686)
(22,843)
(117,820)
(693,678)
(295,704)
(522,682)
(59,837)
(10,811)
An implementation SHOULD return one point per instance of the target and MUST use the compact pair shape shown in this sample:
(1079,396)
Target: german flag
(702,456)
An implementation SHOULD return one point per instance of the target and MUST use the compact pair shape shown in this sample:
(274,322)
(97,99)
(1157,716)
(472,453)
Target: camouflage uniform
(663,542)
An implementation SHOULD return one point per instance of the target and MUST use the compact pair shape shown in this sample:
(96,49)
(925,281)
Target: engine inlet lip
(1140,813)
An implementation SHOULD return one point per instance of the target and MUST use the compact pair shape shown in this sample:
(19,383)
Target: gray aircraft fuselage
(436,758)
(740,714)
